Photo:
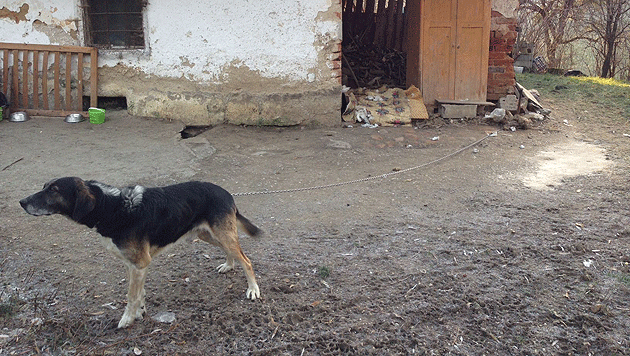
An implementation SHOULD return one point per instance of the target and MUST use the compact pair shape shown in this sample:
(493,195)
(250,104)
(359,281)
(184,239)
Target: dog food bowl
(19,116)
(74,118)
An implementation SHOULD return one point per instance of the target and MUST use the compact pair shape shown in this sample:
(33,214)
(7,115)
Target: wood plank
(94,77)
(68,102)
(35,79)
(25,79)
(381,24)
(391,25)
(45,79)
(5,71)
(398,35)
(57,87)
(369,7)
(464,102)
(50,48)
(347,18)
(15,87)
(41,112)
(80,82)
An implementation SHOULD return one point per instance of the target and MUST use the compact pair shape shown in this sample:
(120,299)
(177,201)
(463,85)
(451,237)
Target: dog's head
(69,196)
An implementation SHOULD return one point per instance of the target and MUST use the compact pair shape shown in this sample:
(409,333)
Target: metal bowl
(74,118)
(19,116)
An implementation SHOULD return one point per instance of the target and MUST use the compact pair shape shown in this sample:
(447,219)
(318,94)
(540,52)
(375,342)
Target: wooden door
(439,32)
(453,41)
(472,50)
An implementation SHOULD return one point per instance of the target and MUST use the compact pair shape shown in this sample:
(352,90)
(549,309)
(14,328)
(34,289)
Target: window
(114,24)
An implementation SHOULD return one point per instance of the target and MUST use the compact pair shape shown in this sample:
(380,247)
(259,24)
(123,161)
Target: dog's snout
(24,203)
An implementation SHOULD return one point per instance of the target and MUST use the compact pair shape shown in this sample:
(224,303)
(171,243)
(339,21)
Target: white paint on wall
(200,40)
(275,37)
(57,13)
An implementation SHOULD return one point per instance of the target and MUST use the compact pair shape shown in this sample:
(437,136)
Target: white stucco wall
(17,19)
(198,40)
(277,38)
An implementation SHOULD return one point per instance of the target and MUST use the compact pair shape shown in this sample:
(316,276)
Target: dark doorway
(373,44)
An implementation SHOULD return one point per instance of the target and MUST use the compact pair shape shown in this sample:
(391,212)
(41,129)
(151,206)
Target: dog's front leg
(135,297)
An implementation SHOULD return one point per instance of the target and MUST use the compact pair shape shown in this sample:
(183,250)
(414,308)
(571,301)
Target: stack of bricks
(503,34)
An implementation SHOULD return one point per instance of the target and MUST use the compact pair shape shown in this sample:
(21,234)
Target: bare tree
(551,24)
(609,23)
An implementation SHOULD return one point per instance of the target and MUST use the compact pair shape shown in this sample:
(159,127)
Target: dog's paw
(253,292)
(222,268)
(125,321)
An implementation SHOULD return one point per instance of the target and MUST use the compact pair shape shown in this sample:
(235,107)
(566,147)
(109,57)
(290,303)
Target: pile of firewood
(370,66)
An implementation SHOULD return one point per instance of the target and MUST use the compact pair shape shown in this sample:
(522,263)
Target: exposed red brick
(503,34)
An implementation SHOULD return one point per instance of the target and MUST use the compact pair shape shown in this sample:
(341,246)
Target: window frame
(89,30)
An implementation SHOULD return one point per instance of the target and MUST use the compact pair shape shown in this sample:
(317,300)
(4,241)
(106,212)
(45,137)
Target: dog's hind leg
(225,235)
(135,296)
(204,232)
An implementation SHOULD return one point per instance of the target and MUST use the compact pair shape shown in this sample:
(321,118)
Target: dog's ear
(84,203)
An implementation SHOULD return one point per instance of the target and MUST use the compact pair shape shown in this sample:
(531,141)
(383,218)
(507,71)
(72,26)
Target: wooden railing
(48,80)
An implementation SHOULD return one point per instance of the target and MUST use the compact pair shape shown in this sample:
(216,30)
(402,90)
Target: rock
(497,115)
(164,317)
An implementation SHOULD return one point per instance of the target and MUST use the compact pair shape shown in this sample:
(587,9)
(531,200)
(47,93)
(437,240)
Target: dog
(137,223)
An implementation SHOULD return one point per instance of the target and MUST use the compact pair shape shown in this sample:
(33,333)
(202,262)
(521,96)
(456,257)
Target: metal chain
(385,175)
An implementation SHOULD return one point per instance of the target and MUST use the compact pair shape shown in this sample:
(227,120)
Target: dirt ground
(517,246)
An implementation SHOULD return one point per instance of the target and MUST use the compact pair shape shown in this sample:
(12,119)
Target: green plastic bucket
(97,116)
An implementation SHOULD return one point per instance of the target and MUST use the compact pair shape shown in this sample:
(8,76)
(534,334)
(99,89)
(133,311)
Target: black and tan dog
(137,223)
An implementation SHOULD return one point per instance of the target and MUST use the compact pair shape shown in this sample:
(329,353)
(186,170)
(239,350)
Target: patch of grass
(324,272)
(624,278)
(9,308)
(608,95)
(621,277)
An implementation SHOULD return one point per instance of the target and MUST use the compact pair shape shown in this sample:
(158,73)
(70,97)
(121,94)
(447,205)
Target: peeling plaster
(507,8)
(37,22)
(58,33)
(16,16)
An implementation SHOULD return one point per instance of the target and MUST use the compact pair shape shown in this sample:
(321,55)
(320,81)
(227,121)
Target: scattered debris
(110,305)
(497,115)
(164,317)
(587,263)
(523,111)
(574,73)
(384,106)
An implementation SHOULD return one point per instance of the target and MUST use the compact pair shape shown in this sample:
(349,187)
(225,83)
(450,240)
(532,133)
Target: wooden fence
(378,22)
(48,80)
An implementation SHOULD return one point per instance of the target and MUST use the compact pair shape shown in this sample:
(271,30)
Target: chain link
(385,175)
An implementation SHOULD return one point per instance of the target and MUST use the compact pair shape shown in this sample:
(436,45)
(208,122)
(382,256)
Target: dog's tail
(247,226)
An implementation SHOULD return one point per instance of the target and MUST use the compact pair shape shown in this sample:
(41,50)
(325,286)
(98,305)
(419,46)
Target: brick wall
(501,79)
(337,55)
